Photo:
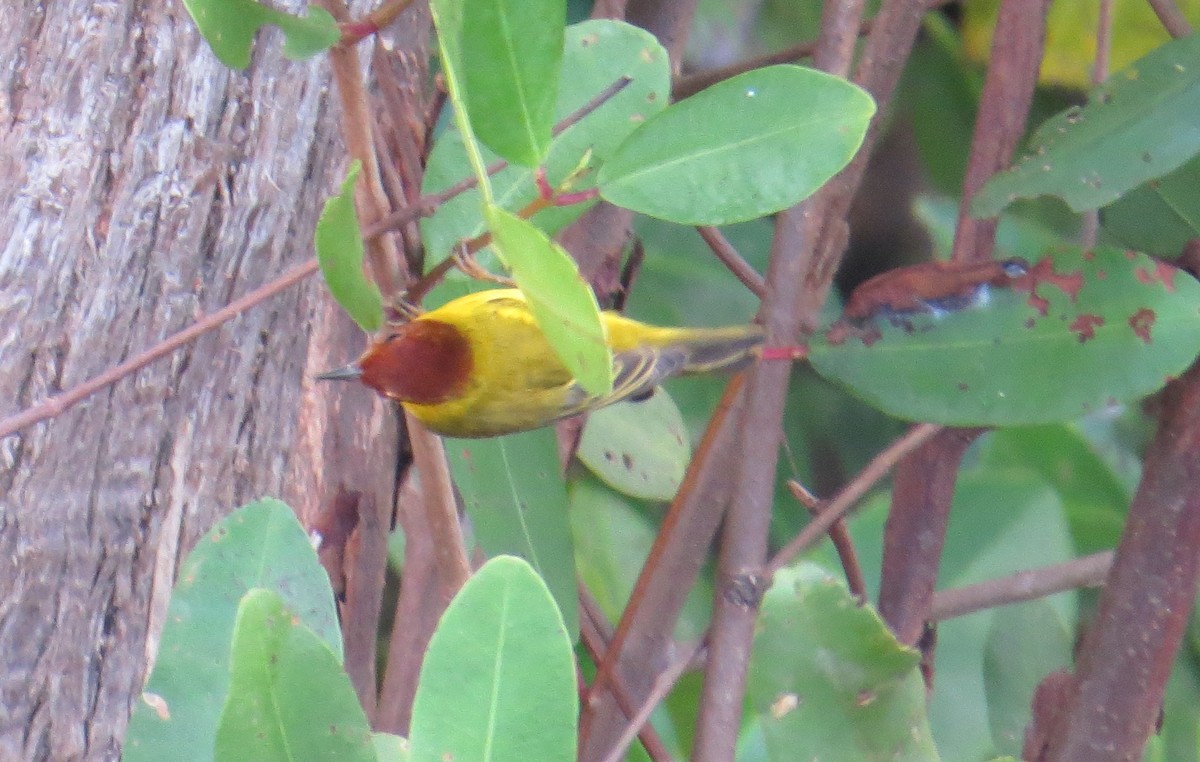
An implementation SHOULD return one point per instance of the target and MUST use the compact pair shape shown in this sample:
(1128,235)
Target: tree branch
(1144,609)
(1027,585)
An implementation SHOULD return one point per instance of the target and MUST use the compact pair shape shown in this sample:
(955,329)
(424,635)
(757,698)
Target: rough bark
(145,183)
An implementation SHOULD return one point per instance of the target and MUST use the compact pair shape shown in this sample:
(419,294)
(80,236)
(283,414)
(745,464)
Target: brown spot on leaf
(1085,326)
(1141,322)
(842,330)
(1070,283)
(627,461)
(1038,303)
(1166,274)
(870,336)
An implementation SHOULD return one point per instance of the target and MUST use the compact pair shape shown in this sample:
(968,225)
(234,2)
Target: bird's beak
(349,373)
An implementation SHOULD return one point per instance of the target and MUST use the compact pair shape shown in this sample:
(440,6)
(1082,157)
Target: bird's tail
(720,349)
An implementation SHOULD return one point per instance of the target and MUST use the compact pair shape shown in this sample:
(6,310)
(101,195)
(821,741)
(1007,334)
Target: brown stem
(364,582)
(1171,17)
(922,491)
(441,513)
(693,83)
(663,684)
(742,575)
(380,18)
(924,483)
(643,638)
(840,535)
(1003,110)
(596,633)
(1126,656)
(358,127)
(427,205)
(418,607)
(849,496)
(1091,218)
(1027,585)
(730,257)
(60,403)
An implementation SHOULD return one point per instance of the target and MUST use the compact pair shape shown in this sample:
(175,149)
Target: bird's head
(424,362)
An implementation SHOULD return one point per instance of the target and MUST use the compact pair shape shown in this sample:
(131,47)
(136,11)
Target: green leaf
(498,680)
(1158,217)
(561,300)
(513,490)
(829,681)
(1093,495)
(1114,326)
(390,748)
(746,147)
(229,27)
(510,73)
(1027,641)
(1003,520)
(259,545)
(287,691)
(1138,125)
(340,254)
(638,448)
(596,53)
(612,541)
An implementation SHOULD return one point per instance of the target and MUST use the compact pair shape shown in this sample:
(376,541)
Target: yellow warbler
(480,367)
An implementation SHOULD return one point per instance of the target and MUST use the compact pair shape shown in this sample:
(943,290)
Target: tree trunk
(144,184)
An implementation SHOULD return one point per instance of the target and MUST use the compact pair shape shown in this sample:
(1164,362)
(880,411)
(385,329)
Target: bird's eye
(1015,267)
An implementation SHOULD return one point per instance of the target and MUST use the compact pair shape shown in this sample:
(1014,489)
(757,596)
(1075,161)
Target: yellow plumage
(479,366)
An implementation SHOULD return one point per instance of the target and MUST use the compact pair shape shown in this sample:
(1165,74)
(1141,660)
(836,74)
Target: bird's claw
(465,261)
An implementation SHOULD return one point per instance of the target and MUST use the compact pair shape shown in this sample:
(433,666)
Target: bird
(930,286)
(479,366)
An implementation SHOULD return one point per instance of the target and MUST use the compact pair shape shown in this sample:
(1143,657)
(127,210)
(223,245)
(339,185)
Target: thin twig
(645,630)
(742,575)
(380,18)
(840,535)
(596,632)
(60,403)
(729,256)
(1171,17)
(853,492)
(441,513)
(1088,571)
(1104,33)
(658,692)
(427,205)
(693,83)
(358,129)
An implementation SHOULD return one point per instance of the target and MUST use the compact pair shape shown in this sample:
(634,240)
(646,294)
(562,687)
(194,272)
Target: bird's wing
(636,372)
